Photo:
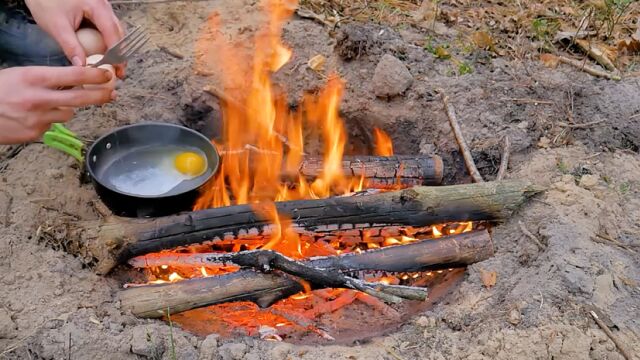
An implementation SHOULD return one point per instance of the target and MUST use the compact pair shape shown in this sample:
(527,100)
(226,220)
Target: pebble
(232,351)
(589,181)
(209,347)
(280,351)
(53,173)
(145,343)
(514,317)
(391,77)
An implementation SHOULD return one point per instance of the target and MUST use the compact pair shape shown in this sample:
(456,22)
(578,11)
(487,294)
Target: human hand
(61,19)
(30,99)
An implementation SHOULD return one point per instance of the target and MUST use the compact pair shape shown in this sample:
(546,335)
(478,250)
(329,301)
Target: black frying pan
(114,150)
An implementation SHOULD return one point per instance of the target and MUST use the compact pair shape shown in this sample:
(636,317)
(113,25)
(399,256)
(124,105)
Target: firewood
(118,240)
(382,170)
(265,289)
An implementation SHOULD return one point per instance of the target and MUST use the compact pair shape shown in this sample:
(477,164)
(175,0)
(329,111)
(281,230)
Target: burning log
(118,240)
(408,170)
(265,289)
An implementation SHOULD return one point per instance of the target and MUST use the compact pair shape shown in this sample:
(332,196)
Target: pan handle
(62,139)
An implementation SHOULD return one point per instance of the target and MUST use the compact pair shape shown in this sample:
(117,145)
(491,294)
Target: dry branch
(621,347)
(588,69)
(580,126)
(464,149)
(382,170)
(504,161)
(265,289)
(118,239)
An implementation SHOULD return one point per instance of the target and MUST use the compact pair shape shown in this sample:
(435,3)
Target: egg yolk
(190,163)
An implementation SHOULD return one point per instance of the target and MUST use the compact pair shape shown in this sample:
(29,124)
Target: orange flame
(384,145)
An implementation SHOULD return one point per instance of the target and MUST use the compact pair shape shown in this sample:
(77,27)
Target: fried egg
(155,171)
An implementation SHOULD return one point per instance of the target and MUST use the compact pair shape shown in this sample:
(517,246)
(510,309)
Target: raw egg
(190,163)
(91,40)
(93,59)
(156,170)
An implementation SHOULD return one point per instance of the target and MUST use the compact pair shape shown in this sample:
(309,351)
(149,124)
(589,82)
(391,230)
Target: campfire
(282,244)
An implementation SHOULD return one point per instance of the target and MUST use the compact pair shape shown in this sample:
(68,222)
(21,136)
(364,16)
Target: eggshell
(91,40)
(111,84)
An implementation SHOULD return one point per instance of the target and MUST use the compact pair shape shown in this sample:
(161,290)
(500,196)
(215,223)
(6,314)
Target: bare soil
(587,223)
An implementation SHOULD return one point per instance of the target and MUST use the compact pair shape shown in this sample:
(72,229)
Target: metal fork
(125,48)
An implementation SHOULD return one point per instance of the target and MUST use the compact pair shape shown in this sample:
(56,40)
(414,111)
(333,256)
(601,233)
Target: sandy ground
(53,307)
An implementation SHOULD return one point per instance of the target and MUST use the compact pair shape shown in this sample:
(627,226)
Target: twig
(504,160)
(173,53)
(589,70)
(528,101)
(303,323)
(530,235)
(173,346)
(131,2)
(455,126)
(394,354)
(580,126)
(611,336)
(268,260)
(64,212)
(600,238)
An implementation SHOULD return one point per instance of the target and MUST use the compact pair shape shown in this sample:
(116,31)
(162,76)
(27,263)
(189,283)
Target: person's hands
(30,100)
(61,19)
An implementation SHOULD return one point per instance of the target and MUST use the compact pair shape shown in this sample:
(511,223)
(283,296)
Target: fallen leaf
(488,278)
(631,45)
(550,60)
(442,53)
(316,63)
(482,40)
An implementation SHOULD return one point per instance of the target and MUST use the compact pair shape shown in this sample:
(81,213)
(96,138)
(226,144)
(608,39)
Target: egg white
(150,173)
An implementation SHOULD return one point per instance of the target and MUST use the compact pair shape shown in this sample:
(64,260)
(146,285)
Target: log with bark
(265,289)
(380,171)
(118,240)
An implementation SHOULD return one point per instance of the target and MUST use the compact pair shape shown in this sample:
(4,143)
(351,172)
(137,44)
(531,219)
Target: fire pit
(285,245)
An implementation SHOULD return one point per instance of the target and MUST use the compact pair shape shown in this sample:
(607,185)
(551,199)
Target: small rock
(209,347)
(423,321)
(232,351)
(514,317)
(391,77)
(8,328)
(426,147)
(568,179)
(146,342)
(251,356)
(589,181)
(53,173)
(544,142)
(29,189)
(280,351)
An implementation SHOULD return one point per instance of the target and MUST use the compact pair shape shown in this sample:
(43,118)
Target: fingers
(68,76)
(65,35)
(101,15)
(76,97)
(32,127)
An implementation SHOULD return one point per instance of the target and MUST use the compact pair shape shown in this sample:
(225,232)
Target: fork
(125,48)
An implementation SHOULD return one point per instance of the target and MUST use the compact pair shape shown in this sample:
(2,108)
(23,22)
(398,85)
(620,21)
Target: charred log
(121,239)
(265,289)
(380,171)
